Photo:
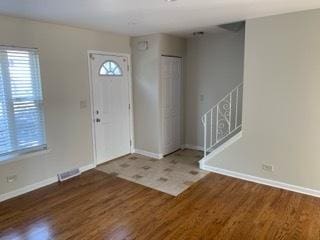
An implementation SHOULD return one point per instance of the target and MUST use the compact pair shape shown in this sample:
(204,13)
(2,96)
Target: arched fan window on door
(110,68)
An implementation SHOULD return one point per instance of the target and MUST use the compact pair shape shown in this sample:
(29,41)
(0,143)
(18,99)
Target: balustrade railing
(223,120)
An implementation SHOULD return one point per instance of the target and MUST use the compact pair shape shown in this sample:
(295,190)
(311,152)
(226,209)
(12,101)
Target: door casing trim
(160,145)
(131,117)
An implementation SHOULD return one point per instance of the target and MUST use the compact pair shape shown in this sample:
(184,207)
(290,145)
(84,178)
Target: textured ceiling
(139,17)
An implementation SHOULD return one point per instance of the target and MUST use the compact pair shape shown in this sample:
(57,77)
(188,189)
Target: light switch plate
(83,104)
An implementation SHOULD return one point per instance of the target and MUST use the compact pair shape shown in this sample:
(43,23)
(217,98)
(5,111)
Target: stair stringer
(221,148)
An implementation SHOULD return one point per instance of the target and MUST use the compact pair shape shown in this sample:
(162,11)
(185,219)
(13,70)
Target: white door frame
(131,120)
(181,105)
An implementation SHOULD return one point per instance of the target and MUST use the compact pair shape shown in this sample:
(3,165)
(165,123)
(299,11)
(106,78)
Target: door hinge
(130,143)
(129,106)
(128,67)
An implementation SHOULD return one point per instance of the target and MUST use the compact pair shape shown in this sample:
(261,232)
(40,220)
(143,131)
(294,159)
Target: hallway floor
(173,174)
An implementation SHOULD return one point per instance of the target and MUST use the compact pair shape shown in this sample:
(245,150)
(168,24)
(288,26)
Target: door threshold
(114,159)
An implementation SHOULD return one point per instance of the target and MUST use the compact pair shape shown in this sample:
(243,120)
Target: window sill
(16,156)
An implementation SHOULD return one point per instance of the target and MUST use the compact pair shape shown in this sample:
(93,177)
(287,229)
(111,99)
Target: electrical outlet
(11,179)
(267,168)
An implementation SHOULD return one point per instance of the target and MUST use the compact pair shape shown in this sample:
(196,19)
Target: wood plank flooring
(99,206)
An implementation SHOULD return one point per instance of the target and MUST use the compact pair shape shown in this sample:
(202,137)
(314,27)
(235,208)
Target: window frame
(33,150)
(109,75)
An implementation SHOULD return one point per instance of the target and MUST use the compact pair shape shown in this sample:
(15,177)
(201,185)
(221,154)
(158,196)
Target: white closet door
(171,103)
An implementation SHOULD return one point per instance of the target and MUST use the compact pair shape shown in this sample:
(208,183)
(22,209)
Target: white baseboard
(148,154)
(221,148)
(264,181)
(87,167)
(193,147)
(37,185)
(28,188)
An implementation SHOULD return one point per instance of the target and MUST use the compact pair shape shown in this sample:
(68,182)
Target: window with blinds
(21,103)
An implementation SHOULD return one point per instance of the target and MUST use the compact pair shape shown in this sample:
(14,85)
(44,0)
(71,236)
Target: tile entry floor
(173,174)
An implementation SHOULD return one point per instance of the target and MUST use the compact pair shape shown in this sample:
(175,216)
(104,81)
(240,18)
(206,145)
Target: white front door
(171,103)
(111,106)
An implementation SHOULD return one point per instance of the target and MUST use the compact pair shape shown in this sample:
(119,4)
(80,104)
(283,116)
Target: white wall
(281,115)
(214,68)
(64,72)
(146,87)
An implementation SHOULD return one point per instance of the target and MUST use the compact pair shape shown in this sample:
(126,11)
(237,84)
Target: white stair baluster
(225,132)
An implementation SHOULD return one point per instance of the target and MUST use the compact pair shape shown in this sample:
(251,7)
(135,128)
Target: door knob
(98,120)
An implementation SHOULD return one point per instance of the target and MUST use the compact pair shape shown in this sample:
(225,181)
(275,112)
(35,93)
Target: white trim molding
(264,181)
(87,167)
(38,185)
(28,188)
(148,154)
(17,157)
(193,147)
(221,148)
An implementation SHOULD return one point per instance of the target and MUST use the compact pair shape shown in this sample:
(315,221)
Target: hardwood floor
(99,206)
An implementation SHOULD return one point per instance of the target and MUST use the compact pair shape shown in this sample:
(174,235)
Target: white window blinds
(21,103)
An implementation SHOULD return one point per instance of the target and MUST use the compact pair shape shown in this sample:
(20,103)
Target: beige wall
(145,76)
(281,115)
(146,87)
(64,72)
(214,67)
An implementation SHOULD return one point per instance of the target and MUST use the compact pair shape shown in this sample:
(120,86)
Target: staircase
(222,123)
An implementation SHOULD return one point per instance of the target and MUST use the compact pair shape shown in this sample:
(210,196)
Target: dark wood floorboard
(99,206)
